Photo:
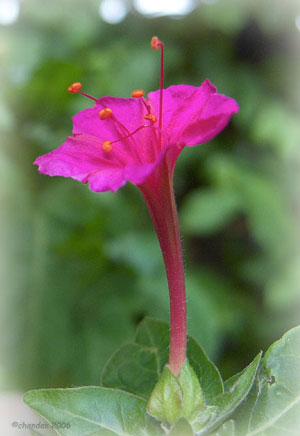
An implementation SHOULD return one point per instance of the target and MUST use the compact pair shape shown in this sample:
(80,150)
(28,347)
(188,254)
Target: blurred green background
(79,270)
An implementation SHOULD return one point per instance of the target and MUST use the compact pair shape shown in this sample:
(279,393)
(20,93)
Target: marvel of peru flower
(138,140)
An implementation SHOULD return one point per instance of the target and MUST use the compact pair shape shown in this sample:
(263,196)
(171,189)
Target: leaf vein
(275,418)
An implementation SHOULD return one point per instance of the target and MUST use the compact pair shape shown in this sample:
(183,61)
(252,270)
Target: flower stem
(159,196)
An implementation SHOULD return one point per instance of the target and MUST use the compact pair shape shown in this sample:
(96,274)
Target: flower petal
(106,180)
(127,111)
(210,121)
(128,116)
(193,115)
(81,158)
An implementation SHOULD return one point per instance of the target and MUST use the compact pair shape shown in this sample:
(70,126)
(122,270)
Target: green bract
(175,397)
(137,367)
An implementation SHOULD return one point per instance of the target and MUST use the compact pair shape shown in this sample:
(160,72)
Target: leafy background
(79,270)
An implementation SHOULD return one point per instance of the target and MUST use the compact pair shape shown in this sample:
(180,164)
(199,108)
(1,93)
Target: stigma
(155,43)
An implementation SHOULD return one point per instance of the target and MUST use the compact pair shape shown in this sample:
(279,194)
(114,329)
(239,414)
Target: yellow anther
(151,118)
(105,113)
(107,146)
(137,93)
(75,87)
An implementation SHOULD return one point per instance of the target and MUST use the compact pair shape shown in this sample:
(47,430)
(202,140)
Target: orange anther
(75,87)
(105,113)
(154,43)
(137,93)
(107,146)
(151,118)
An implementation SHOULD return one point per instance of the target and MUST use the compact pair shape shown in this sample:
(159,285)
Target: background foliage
(79,270)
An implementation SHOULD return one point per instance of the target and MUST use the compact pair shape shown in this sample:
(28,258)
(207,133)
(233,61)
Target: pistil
(162,208)
(156,44)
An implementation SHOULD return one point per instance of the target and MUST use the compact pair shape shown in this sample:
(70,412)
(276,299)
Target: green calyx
(175,397)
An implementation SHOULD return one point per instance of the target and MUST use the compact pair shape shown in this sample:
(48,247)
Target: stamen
(89,96)
(105,113)
(147,106)
(137,93)
(75,87)
(130,134)
(151,118)
(107,146)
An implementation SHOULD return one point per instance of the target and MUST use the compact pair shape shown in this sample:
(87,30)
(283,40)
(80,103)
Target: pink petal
(106,180)
(82,158)
(210,121)
(193,115)
(127,111)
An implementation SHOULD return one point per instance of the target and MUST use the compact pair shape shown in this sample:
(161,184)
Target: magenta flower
(139,140)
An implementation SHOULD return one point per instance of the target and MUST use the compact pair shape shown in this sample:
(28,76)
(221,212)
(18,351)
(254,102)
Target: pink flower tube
(138,140)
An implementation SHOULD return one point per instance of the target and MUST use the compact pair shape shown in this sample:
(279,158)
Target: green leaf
(155,334)
(224,405)
(136,368)
(207,211)
(227,429)
(276,126)
(273,406)
(210,379)
(46,432)
(94,411)
(35,433)
(132,368)
(137,250)
(181,428)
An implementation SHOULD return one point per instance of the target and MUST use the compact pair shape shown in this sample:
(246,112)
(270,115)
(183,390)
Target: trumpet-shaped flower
(138,140)
(128,144)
